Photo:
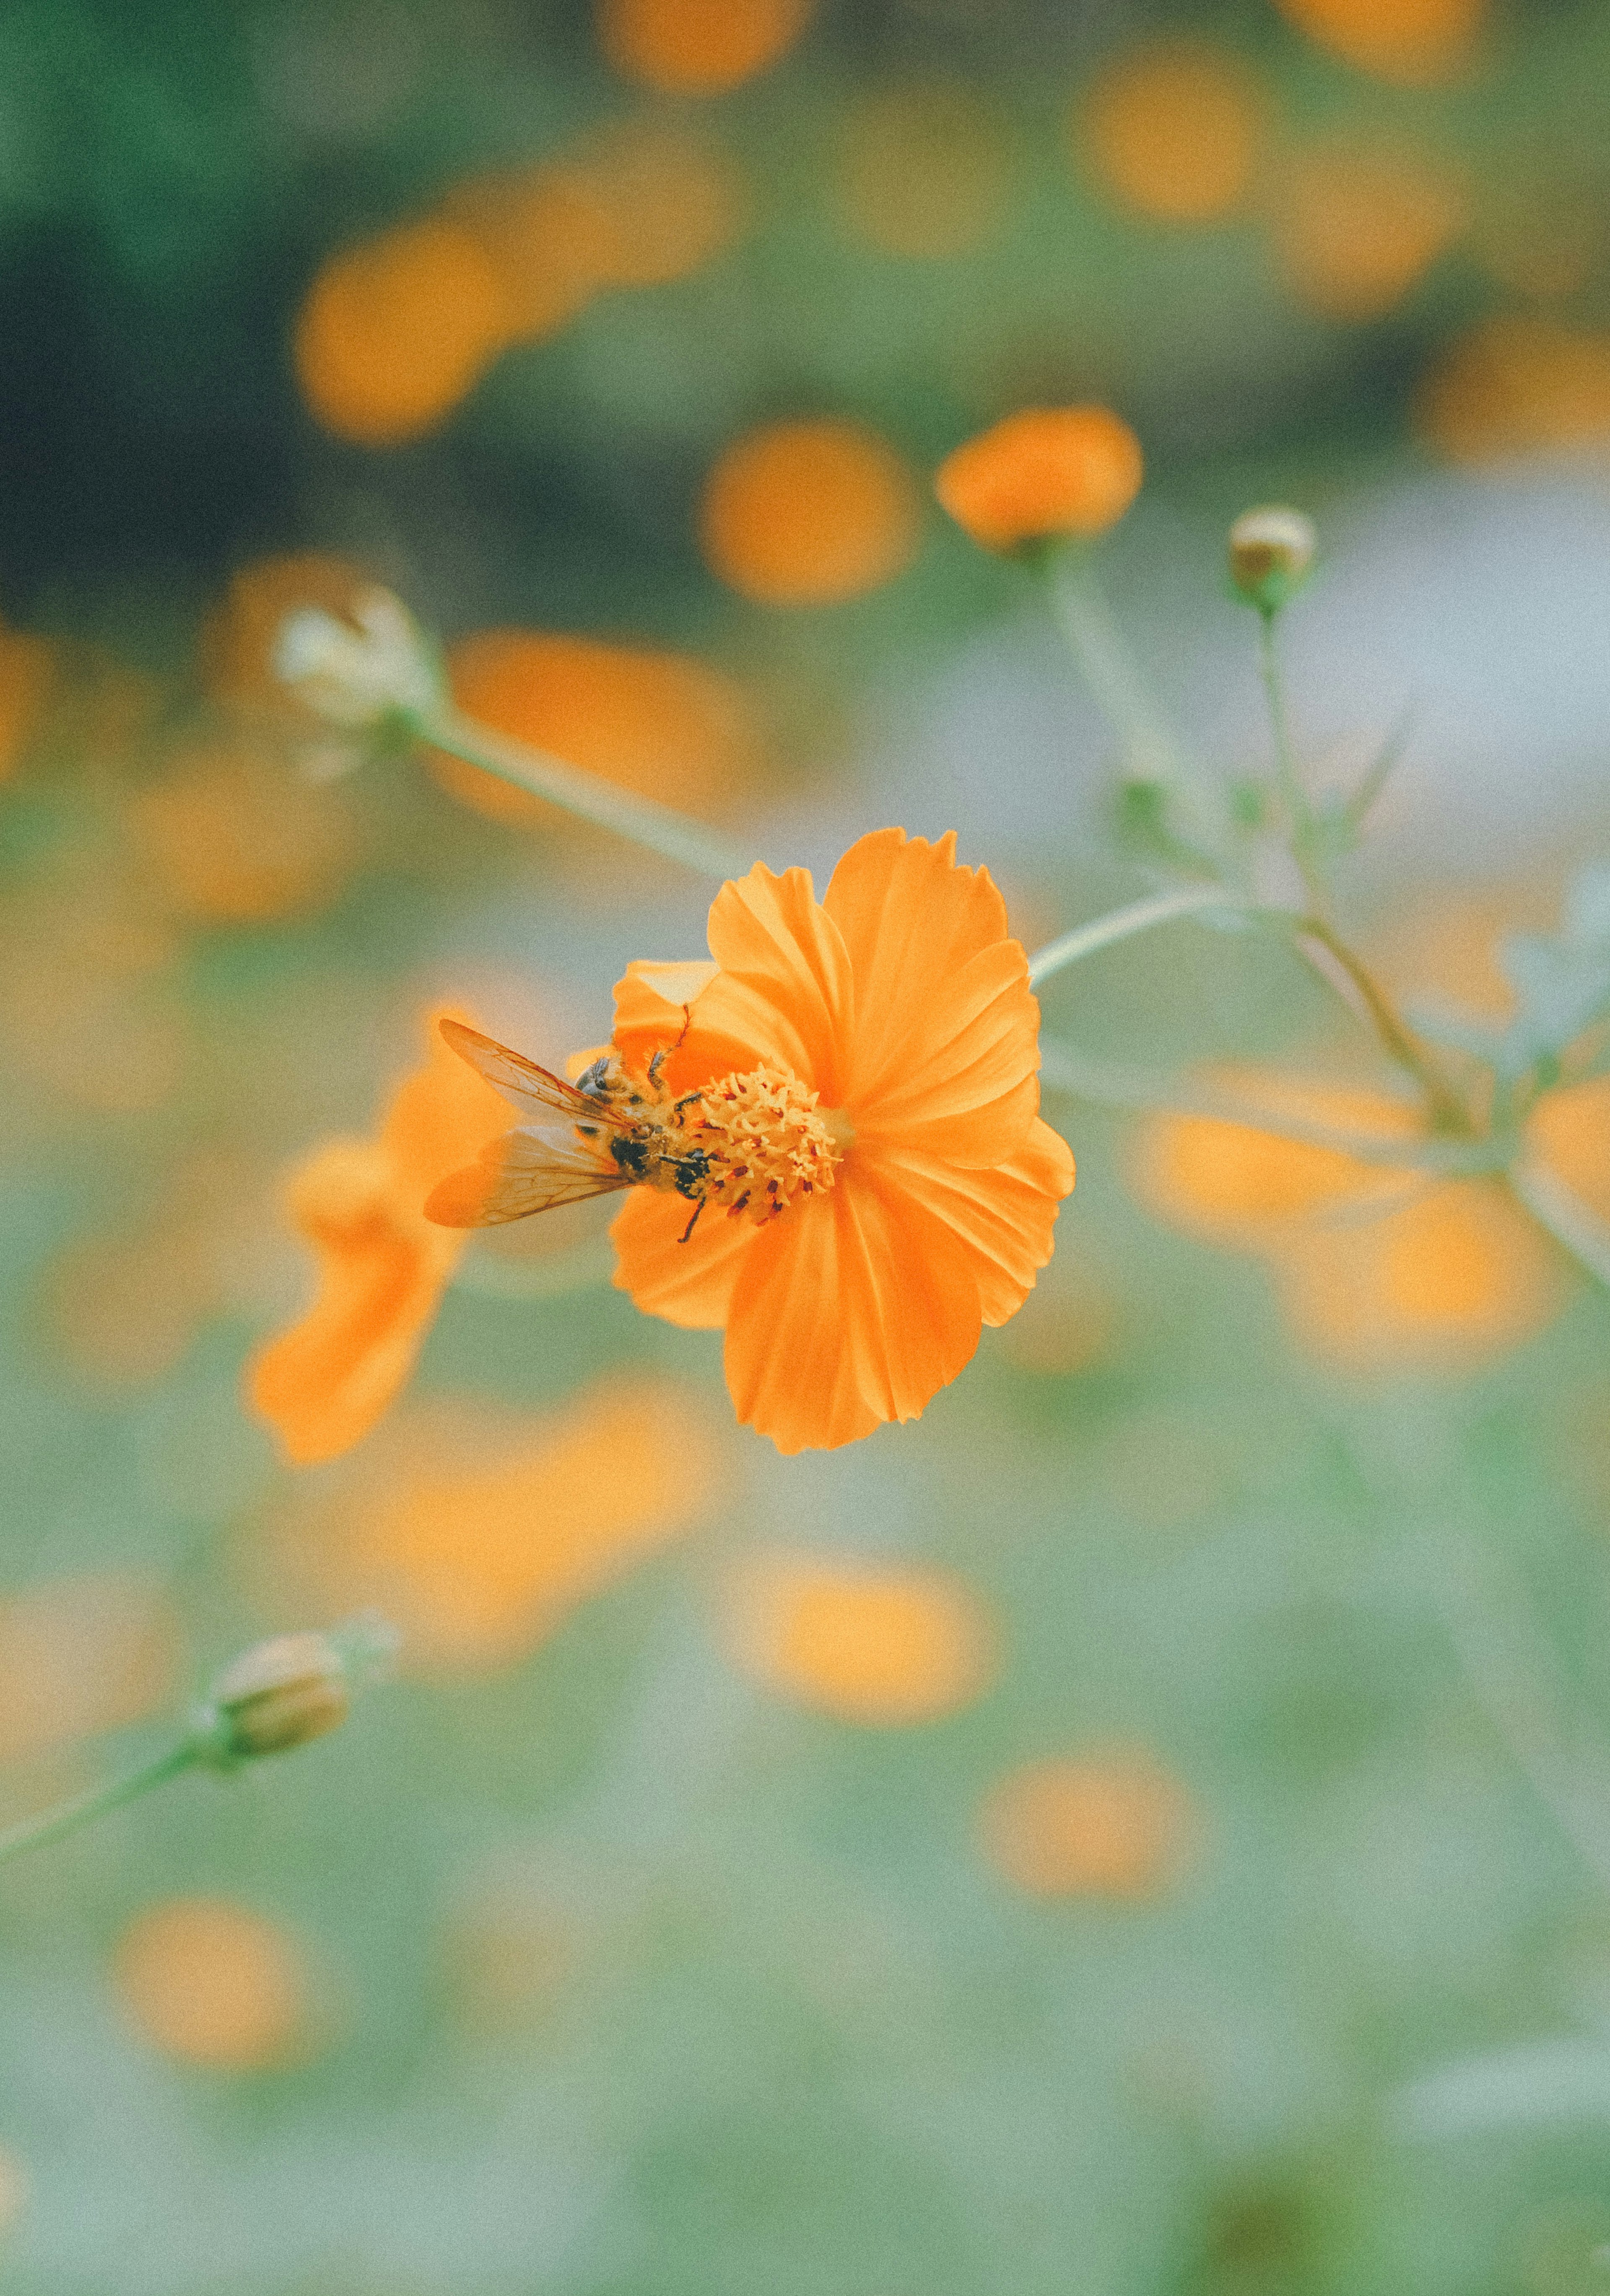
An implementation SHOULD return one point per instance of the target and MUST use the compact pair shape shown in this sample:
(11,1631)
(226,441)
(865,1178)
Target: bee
(620,1137)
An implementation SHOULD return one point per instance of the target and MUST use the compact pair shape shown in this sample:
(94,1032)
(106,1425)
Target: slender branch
(50,1825)
(1515,1676)
(1120,924)
(1065,1069)
(1562,1212)
(641,819)
(1289,773)
(1444,1104)
(1116,685)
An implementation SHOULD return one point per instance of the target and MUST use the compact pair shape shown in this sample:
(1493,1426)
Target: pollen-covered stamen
(765,1141)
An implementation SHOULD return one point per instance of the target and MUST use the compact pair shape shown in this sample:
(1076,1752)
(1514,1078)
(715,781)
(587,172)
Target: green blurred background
(1081,1840)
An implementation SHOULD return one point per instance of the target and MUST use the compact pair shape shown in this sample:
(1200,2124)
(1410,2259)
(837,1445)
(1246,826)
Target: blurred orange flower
(396,332)
(1172,131)
(1359,225)
(803,513)
(237,839)
(665,724)
(1117,1827)
(212,1983)
(923,170)
(383,1266)
(28,673)
(1379,1267)
(238,639)
(1045,471)
(82,1655)
(697,47)
(1515,386)
(477,1534)
(874,1646)
(866,1072)
(634,205)
(1411,42)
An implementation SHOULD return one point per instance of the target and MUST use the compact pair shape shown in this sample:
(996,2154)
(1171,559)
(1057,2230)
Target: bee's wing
(518,1175)
(524,1083)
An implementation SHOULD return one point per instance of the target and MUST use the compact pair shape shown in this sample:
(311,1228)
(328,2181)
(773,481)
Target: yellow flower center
(765,1141)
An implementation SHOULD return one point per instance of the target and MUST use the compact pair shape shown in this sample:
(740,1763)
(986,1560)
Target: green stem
(1568,1220)
(1444,1104)
(1109,668)
(1065,1069)
(1512,1668)
(50,1825)
(1287,773)
(647,822)
(1119,924)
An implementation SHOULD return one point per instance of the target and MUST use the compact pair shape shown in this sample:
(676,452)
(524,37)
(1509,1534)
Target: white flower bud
(1271,549)
(361,673)
(291,1689)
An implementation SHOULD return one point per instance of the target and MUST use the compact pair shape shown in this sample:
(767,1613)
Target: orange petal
(945,1043)
(785,984)
(442,1116)
(1004,1216)
(382,1265)
(326,1382)
(848,1311)
(652,1007)
(688,1283)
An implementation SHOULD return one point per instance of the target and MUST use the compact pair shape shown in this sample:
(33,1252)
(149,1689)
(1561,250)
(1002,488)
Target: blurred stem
(645,822)
(1512,1670)
(1288,774)
(67,1817)
(1443,1105)
(1120,924)
(1109,668)
(1568,1220)
(1063,1068)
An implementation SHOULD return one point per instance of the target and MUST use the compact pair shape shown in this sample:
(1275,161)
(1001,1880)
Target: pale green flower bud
(291,1689)
(362,676)
(1271,550)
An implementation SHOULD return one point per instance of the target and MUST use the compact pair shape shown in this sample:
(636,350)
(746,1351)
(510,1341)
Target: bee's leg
(657,1063)
(693,1223)
(688,1022)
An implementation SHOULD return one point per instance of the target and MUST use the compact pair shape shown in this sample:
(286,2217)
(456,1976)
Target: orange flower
(395,331)
(697,47)
(1118,1826)
(879,1647)
(478,1532)
(383,1267)
(804,513)
(1414,43)
(211,1982)
(1045,471)
(1377,1268)
(865,1073)
(1173,132)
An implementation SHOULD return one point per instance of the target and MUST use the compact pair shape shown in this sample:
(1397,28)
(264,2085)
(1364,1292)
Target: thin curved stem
(1568,1220)
(67,1817)
(1116,686)
(1513,1671)
(1446,1111)
(1065,1069)
(647,822)
(1119,690)
(1289,773)
(1121,925)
